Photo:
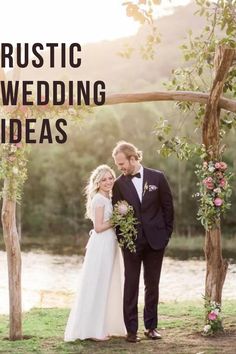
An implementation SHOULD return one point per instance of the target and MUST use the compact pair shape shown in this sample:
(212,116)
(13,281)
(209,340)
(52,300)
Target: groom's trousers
(152,263)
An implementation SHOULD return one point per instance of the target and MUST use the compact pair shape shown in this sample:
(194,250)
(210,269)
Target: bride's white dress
(98,308)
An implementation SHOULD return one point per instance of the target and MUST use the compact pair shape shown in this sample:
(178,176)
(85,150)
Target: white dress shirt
(138,183)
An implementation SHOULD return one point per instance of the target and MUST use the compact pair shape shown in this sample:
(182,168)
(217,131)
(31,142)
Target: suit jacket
(155,213)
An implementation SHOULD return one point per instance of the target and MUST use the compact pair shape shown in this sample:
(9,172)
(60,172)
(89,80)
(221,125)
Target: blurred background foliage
(53,203)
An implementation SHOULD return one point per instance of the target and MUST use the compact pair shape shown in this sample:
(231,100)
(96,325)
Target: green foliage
(142,11)
(183,147)
(13,165)
(123,218)
(14,157)
(199,51)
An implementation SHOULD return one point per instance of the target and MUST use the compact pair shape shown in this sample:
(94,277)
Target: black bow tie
(138,175)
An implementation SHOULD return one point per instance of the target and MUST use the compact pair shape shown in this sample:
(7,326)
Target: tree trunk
(216,266)
(14,264)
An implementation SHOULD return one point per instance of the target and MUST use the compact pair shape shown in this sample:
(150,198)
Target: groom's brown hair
(128,150)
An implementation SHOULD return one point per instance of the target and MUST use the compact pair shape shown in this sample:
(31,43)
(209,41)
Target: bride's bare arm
(100,225)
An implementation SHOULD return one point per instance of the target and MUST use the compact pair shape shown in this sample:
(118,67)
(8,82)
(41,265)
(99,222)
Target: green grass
(180,325)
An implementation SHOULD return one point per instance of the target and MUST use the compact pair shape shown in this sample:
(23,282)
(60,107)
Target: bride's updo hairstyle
(93,185)
(128,150)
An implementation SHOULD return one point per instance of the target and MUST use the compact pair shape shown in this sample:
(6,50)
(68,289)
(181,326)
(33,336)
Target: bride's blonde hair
(93,185)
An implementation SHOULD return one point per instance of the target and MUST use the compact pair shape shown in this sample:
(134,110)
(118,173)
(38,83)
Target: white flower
(15,170)
(216,311)
(206,328)
(13,148)
(211,168)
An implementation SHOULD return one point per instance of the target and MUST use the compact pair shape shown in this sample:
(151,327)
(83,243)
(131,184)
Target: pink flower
(122,209)
(217,165)
(223,166)
(212,316)
(208,182)
(222,182)
(218,202)
(18,145)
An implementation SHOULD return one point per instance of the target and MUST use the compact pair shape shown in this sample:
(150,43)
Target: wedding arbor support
(216,266)
(190,96)
(12,244)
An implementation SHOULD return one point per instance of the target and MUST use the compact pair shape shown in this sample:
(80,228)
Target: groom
(149,193)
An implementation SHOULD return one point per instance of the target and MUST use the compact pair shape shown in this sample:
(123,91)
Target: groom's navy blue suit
(155,216)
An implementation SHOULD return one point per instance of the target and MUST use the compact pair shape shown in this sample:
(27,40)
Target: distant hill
(101,60)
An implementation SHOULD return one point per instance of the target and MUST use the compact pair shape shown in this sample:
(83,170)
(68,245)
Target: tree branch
(200,97)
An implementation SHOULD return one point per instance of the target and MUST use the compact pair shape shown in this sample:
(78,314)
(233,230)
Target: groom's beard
(128,172)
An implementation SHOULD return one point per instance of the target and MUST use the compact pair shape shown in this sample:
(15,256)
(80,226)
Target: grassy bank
(180,325)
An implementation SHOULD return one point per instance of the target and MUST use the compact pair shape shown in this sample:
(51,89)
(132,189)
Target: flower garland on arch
(214,192)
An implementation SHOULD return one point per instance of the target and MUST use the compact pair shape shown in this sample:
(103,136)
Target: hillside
(101,60)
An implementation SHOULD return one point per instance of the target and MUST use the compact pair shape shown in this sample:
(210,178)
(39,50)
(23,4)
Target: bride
(97,312)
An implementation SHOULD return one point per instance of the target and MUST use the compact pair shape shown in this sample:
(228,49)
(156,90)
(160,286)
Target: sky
(82,21)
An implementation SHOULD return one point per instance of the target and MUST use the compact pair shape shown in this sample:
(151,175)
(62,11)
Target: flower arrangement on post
(123,218)
(214,192)
(213,317)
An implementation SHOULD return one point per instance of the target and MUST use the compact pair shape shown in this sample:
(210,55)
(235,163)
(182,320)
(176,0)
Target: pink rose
(217,165)
(208,182)
(218,202)
(223,166)
(212,316)
(122,209)
(222,182)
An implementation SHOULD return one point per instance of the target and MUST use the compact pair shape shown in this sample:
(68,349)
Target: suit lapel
(145,183)
(130,192)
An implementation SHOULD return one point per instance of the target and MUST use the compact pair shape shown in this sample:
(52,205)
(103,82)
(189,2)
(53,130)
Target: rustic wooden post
(14,263)
(216,267)
(11,239)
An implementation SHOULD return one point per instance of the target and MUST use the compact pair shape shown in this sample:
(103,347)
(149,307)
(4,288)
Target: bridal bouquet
(123,218)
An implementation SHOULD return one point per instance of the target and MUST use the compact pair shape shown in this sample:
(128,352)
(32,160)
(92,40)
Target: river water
(52,280)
